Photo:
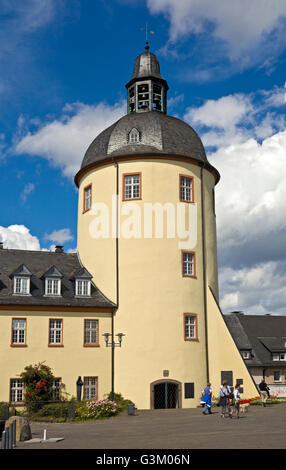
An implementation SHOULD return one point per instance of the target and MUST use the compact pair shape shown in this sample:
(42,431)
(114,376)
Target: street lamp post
(113,345)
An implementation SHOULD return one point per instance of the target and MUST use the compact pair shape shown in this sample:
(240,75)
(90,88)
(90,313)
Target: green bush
(3,410)
(121,402)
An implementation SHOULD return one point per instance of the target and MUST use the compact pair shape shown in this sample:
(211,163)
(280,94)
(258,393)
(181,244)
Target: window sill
(55,345)
(91,345)
(14,345)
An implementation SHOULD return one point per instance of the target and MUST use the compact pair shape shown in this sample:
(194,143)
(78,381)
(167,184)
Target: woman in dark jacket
(224,400)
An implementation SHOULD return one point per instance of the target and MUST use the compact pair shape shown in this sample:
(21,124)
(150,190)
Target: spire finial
(147,47)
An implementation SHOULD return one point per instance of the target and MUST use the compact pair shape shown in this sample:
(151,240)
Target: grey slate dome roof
(146,65)
(159,135)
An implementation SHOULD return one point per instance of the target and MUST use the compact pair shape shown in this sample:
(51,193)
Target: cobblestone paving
(259,428)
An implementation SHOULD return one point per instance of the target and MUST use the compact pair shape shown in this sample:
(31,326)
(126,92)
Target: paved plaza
(259,428)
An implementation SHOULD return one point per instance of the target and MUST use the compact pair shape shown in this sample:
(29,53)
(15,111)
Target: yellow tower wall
(153,294)
(223,353)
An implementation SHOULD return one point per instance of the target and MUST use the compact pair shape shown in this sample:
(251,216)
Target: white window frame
(189,268)
(87,197)
(56,389)
(282,358)
(89,332)
(82,287)
(246,354)
(55,331)
(275,357)
(16,391)
(19,285)
(134,136)
(90,386)
(18,332)
(50,289)
(132,187)
(186,190)
(190,326)
(280,376)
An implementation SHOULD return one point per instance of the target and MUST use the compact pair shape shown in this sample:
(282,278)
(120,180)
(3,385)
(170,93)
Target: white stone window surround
(52,286)
(21,285)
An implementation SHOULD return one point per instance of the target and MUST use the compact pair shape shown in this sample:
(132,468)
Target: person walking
(264,391)
(224,399)
(207,399)
(236,399)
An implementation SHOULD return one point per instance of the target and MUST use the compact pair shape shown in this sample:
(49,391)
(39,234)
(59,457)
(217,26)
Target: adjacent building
(261,340)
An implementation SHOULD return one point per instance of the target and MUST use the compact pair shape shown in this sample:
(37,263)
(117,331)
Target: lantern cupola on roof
(147,90)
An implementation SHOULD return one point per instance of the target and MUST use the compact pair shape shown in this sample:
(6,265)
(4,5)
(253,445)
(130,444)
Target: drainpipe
(204,270)
(117,280)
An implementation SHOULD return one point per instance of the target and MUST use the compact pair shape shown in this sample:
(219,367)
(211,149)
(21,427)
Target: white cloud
(257,290)
(241,26)
(64,141)
(233,119)
(59,236)
(18,237)
(28,189)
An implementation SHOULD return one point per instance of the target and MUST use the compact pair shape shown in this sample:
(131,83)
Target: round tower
(147,233)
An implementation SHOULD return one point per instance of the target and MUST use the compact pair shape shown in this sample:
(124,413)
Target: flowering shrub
(92,409)
(38,381)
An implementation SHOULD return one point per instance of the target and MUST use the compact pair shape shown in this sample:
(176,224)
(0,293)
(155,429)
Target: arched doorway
(165,394)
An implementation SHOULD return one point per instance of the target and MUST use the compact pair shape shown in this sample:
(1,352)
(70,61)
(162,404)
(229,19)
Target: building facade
(147,244)
(261,340)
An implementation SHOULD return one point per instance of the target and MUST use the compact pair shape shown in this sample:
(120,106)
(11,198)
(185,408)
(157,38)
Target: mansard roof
(262,334)
(40,264)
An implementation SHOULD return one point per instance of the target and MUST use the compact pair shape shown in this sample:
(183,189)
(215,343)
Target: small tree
(38,381)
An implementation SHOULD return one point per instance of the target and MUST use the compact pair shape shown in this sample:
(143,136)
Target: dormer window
(53,281)
(83,287)
(53,286)
(83,283)
(21,285)
(134,136)
(22,280)
(246,354)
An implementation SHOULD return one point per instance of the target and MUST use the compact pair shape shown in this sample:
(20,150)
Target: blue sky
(63,69)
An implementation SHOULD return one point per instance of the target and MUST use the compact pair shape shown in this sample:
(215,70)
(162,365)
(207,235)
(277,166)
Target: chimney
(59,249)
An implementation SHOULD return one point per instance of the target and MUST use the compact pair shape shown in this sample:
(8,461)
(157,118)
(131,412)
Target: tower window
(143,96)
(134,136)
(186,189)
(157,97)
(132,186)
(190,327)
(188,264)
(131,99)
(87,198)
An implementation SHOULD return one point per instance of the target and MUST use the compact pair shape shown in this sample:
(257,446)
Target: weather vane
(147,31)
